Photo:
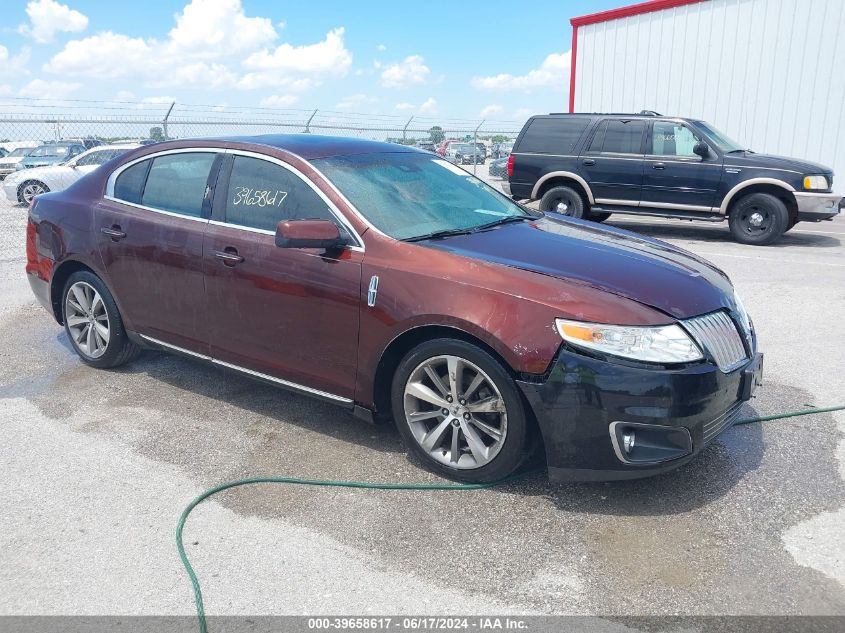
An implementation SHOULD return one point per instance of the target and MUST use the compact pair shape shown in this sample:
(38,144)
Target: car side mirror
(309,234)
(701,149)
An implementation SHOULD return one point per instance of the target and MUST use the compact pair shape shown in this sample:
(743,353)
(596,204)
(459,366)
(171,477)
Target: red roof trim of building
(634,9)
(613,14)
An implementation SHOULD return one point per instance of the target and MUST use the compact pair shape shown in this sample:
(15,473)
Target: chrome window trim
(331,205)
(183,150)
(172,214)
(251,372)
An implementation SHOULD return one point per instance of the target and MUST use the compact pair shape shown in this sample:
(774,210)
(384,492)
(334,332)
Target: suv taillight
(510,165)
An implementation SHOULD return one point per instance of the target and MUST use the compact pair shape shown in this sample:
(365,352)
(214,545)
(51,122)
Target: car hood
(35,172)
(644,270)
(752,159)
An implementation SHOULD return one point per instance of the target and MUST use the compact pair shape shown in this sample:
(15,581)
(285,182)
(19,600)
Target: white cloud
(404,105)
(278,101)
(213,45)
(381,48)
(41,89)
(5,90)
(553,72)
(490,110)
(13,65)
(522,113)
(355,101)
(411,70)
(429,106)
(48,17)
(124,95)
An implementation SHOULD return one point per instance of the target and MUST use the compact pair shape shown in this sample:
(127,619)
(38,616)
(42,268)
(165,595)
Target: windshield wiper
(438,234)
(505,220)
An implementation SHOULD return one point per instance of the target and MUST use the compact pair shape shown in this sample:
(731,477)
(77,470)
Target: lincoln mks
(393,283)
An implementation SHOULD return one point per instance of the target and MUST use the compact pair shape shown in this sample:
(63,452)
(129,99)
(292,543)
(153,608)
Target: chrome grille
(714,427)
(717,333)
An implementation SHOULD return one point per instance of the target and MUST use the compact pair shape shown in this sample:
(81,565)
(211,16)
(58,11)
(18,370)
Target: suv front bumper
(815,207)
(583,400)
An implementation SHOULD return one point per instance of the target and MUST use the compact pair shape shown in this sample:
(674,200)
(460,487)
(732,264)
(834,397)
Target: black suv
(592,165)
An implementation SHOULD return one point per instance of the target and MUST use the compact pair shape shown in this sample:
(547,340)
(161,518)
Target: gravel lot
(97,466)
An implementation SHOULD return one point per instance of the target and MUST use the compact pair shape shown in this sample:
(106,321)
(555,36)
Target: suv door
(286,314)
(674,177)
(613,159)
(150,228)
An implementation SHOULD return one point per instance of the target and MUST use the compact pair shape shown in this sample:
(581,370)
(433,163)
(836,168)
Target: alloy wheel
(87,319)
(30,190)
(456,412)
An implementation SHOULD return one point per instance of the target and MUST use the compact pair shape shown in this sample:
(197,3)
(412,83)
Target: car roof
(311,146)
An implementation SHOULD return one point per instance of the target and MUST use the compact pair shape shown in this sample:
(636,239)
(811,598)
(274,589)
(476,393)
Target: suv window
(553,135)
(261,194)
(130,183)
(618,137)
(177,182)
(672,139)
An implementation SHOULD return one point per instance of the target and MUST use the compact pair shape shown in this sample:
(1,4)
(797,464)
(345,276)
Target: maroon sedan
(390,282)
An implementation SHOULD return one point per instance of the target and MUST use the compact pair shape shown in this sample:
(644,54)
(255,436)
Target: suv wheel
(93,323)
(759,219)
(563,200)
(459,411)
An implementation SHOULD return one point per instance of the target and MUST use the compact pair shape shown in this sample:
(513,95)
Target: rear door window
(262,193)
(553,135)
(177,182)
(617,136)
(129,185)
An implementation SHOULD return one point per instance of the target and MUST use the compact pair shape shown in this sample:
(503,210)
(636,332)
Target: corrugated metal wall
(769,73)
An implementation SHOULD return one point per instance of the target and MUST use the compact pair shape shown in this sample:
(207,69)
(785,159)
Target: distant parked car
(465,153)
(499,167)
(3,152)
(443,148)
(502,150)
(482,149)
(23,186)
(9,163)
(426,145)
(51,154)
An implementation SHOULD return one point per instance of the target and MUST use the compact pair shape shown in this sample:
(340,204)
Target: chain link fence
(38,121)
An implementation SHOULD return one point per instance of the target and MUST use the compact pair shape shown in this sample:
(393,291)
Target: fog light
(628,439)
(638,443)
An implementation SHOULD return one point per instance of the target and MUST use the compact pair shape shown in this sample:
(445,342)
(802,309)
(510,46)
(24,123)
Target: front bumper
(582,397)
(815,207)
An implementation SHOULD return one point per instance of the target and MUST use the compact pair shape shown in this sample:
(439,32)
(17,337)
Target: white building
(768,73)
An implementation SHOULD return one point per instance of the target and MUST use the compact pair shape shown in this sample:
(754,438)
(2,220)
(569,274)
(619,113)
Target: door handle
(658,166)
(113,232)
(589,162)
(229,257)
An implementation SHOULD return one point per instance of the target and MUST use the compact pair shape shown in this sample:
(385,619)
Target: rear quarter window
(130,183)
(553,135)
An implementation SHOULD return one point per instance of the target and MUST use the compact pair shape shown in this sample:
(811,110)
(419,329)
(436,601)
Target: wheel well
(560,181)
(778,192)
(57,284)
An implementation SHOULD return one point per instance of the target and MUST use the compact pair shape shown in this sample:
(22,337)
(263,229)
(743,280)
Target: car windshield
(50,150)
(21,151)
(723,142)
(410,195)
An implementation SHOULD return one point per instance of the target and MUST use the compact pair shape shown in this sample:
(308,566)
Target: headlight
(816,182)
(658,344)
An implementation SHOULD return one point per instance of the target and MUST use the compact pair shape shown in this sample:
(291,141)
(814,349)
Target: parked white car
(9,162)
(22,186)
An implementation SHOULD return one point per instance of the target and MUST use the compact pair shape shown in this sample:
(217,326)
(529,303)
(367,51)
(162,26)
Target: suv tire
(454,450)
(563,200)
(758,219)
(87,302)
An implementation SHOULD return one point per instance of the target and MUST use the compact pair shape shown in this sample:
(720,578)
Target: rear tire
(482,436)
(758,219)
(563,200)
(93,323)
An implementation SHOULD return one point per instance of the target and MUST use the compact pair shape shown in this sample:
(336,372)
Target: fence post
(307,129)
(475,146)
(164,122)
(405,129)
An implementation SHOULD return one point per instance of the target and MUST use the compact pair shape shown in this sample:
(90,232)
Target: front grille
(714,427)
(717,334)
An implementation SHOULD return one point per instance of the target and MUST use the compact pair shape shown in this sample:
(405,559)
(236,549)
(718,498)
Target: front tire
(563,200)
(758,219)
(459,411)
(93,323)
(29,189)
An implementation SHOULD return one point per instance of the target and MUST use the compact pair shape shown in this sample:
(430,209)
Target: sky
(495,60)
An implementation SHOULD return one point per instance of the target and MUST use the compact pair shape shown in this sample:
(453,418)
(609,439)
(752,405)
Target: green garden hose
(372,486)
